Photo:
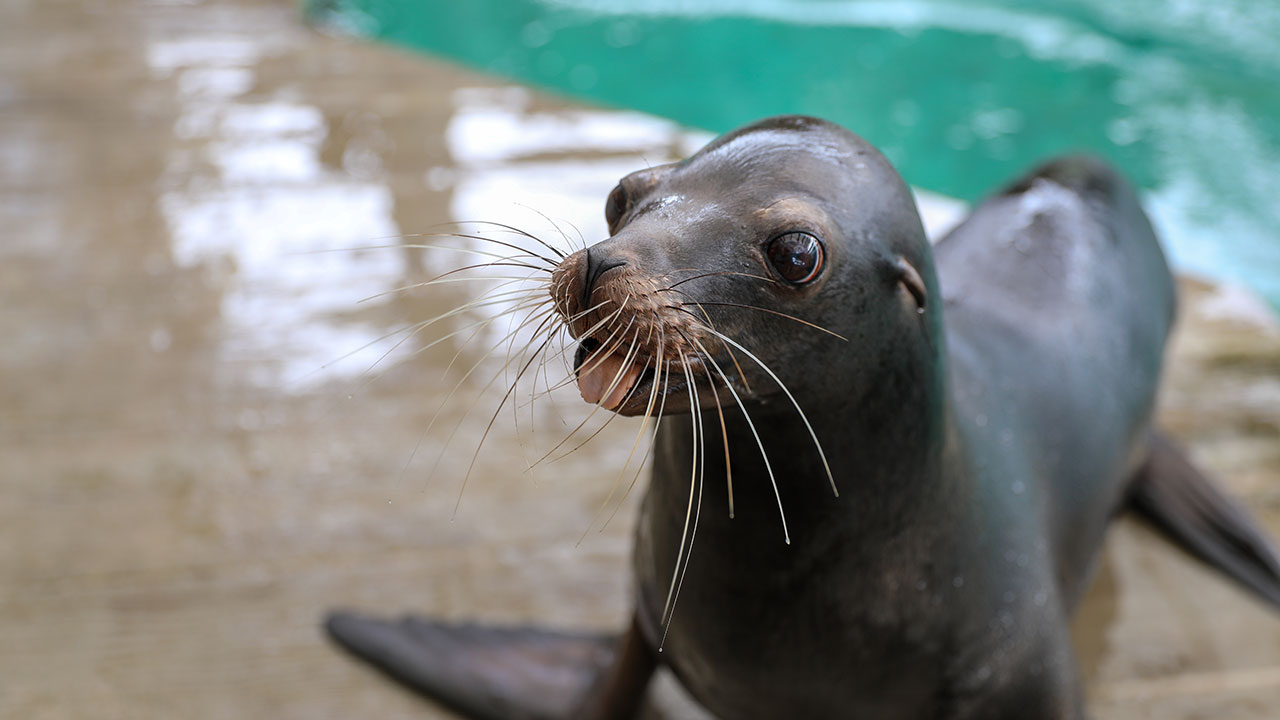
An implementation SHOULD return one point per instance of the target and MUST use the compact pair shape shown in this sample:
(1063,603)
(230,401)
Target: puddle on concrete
(198,460)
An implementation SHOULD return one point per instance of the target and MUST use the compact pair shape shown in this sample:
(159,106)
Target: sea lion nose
(575,283)
(599,261)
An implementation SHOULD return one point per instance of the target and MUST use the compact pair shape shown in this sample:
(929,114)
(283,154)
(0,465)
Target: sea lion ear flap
(913,283)
(628,191)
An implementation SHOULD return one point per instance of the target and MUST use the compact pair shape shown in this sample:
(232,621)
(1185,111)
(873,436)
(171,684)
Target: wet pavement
(200,456)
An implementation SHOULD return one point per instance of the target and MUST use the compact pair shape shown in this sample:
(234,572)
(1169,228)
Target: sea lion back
(1061,270)
(1062,243)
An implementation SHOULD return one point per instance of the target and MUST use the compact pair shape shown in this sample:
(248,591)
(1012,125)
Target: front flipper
(1188,507)
(504,673)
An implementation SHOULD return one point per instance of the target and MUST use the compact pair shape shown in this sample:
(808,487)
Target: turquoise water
(1184,96)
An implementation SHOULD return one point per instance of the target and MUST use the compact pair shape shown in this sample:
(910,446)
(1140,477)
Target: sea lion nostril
(598,263)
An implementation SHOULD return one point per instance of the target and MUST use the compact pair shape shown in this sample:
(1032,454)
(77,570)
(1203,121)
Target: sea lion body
(939,583)
(983,408)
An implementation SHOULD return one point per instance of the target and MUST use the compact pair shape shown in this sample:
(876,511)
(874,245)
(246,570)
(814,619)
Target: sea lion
(921,447)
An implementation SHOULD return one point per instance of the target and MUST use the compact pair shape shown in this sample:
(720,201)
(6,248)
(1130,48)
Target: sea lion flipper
(1184,503)
(484,673)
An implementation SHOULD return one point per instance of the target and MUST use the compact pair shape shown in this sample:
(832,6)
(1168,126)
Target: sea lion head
(785,253)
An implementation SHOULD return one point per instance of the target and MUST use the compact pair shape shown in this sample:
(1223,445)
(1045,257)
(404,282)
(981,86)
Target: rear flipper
(1187,506)
(491,673)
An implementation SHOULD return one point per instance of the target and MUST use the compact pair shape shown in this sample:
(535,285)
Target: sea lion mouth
(611,378)
(605,378)
(622,380)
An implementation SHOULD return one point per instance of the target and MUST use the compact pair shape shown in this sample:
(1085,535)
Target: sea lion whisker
(663,375)
(443,281)
(484,238)
(524,348)
(610,343)
(517,299)
(622,370)
(772,312)
(693,477)
(669,273)
(696,478)
(724,434)
(541,356)
(586,312)
(508,261)
(418,444)
(488,299)
(520,250)
(516,304)
(705,319)
(554,224)
(511,344)
(533,395)
(466,478)
(524,233)
(826,466)
(587,419)
(548,386)
(508,228)
(581,239)
(560,384)
(673,286)
(545,316)
(648,411)
(417,246)
(437,341)
(752,426)
(570,377)
(566,341)
(599,353)
(546,383)
(476,327)
(607,319)
(446,278)
(523,251)
(592,329)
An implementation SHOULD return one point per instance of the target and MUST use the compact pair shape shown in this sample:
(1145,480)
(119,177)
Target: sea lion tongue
(597,375)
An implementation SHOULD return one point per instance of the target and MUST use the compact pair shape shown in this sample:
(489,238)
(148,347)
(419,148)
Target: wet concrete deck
(193,473)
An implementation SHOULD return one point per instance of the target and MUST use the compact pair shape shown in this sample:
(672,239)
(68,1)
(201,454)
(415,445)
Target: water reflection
(251,197)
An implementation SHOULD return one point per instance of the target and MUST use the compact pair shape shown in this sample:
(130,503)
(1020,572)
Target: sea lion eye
(615,207)
(796,256)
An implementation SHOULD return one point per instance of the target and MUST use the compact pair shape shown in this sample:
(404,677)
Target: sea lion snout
(629,332)
(586,292)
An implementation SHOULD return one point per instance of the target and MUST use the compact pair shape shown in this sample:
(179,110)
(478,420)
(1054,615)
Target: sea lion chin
(983,408)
